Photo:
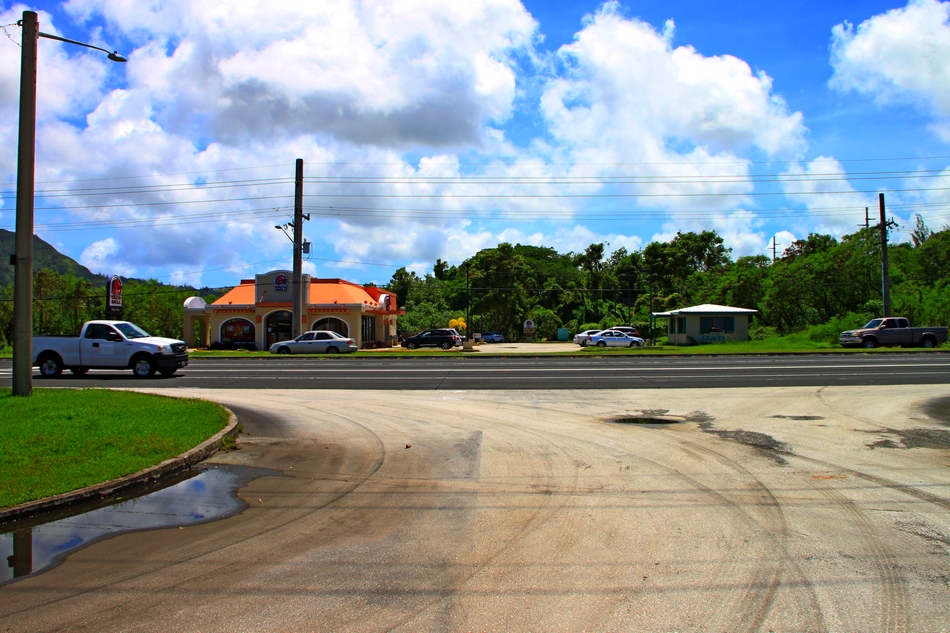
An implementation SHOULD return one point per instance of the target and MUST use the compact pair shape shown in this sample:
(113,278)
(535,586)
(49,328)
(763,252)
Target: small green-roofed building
(707,323)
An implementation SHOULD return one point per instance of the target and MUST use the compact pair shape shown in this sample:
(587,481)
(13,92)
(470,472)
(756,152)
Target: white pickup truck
(109,345)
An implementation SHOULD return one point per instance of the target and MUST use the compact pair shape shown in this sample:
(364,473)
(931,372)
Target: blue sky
(432,130)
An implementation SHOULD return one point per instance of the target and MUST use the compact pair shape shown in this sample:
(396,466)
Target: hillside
(44,256)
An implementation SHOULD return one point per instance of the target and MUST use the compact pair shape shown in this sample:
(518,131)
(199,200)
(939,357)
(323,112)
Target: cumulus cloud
(387,73)
(900,55)
(628,89)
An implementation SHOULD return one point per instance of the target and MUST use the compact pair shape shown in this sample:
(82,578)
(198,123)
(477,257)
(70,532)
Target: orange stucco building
(257,313)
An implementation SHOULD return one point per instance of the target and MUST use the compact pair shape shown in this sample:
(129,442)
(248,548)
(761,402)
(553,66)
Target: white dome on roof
(195,303)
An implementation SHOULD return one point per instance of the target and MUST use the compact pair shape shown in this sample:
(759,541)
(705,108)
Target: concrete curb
(122,485)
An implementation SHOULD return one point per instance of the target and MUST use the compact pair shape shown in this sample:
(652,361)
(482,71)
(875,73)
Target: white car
(315,342)
(582,338)
(614,338)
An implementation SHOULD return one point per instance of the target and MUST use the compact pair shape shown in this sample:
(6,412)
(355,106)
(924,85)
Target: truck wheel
(869,343)
(143,367)
(51,366)
(928,342)
(79,371)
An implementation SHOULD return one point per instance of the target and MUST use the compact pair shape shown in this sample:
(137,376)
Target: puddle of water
(207,496)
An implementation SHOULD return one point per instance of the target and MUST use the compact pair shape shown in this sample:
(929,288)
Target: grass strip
(58,440)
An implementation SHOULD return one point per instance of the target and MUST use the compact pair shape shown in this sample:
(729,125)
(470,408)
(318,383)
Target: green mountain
(44,256)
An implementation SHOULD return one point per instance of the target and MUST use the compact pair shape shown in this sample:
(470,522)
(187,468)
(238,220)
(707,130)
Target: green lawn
(59,440)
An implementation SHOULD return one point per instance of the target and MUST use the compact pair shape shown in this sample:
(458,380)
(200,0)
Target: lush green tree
(402,281)
(921,233)
(814,243)
(427,306)
(156,308)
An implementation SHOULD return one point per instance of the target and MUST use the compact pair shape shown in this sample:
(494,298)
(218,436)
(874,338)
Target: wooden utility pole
(23,260)
(885,270)
(299,304)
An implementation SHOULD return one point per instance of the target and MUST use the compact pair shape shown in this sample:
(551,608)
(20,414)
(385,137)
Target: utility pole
(867,218)
(299,305)
(773,249)
(885,270)
(23,273)
(468,301)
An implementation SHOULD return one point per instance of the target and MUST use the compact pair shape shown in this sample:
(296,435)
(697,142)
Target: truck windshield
(873,324)
(131,331)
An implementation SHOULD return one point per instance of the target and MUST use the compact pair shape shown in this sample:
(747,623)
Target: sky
(431,130)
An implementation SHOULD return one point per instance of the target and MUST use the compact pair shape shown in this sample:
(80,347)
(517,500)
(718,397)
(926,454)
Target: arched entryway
(278,327)
(333,324)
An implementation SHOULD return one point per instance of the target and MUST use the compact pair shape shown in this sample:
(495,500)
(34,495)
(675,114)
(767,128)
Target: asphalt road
(780,508)
(456,371)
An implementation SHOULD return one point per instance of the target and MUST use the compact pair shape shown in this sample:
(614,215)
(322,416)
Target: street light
(23,258)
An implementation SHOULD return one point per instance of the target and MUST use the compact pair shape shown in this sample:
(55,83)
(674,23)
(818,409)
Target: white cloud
(394,72)
(898,55)
(627,89)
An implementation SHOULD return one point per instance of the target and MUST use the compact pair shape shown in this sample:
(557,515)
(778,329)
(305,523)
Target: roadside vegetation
(59,440)
(816,288)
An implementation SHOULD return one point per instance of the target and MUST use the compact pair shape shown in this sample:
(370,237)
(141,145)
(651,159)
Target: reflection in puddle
(207,496)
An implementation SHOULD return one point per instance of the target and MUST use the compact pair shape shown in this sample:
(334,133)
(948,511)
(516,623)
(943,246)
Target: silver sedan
(315,342)
(614,338)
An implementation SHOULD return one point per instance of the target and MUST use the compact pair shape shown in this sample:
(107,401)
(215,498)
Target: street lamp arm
(114,55)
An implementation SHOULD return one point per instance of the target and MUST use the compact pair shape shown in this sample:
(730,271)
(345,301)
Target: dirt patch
(938,409)
(797,417)
(645,419)
(915,438)
(884,444)
(767,445)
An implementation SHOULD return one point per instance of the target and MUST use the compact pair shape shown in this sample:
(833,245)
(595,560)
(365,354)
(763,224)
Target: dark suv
(446,339)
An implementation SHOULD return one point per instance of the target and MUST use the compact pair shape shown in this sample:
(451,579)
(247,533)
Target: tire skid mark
(541,515)
(894,600)
(758,602)
(755,600)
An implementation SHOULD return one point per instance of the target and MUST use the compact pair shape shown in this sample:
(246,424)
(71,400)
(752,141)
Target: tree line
(818,280)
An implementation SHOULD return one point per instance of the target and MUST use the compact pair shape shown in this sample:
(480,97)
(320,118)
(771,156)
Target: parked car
(614,338)
(446,339)
(582,337)
(893,331)
(492,337)
(315,342)
(627,329)
(109,345)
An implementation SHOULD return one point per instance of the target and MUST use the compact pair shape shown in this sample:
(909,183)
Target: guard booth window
(717,325)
